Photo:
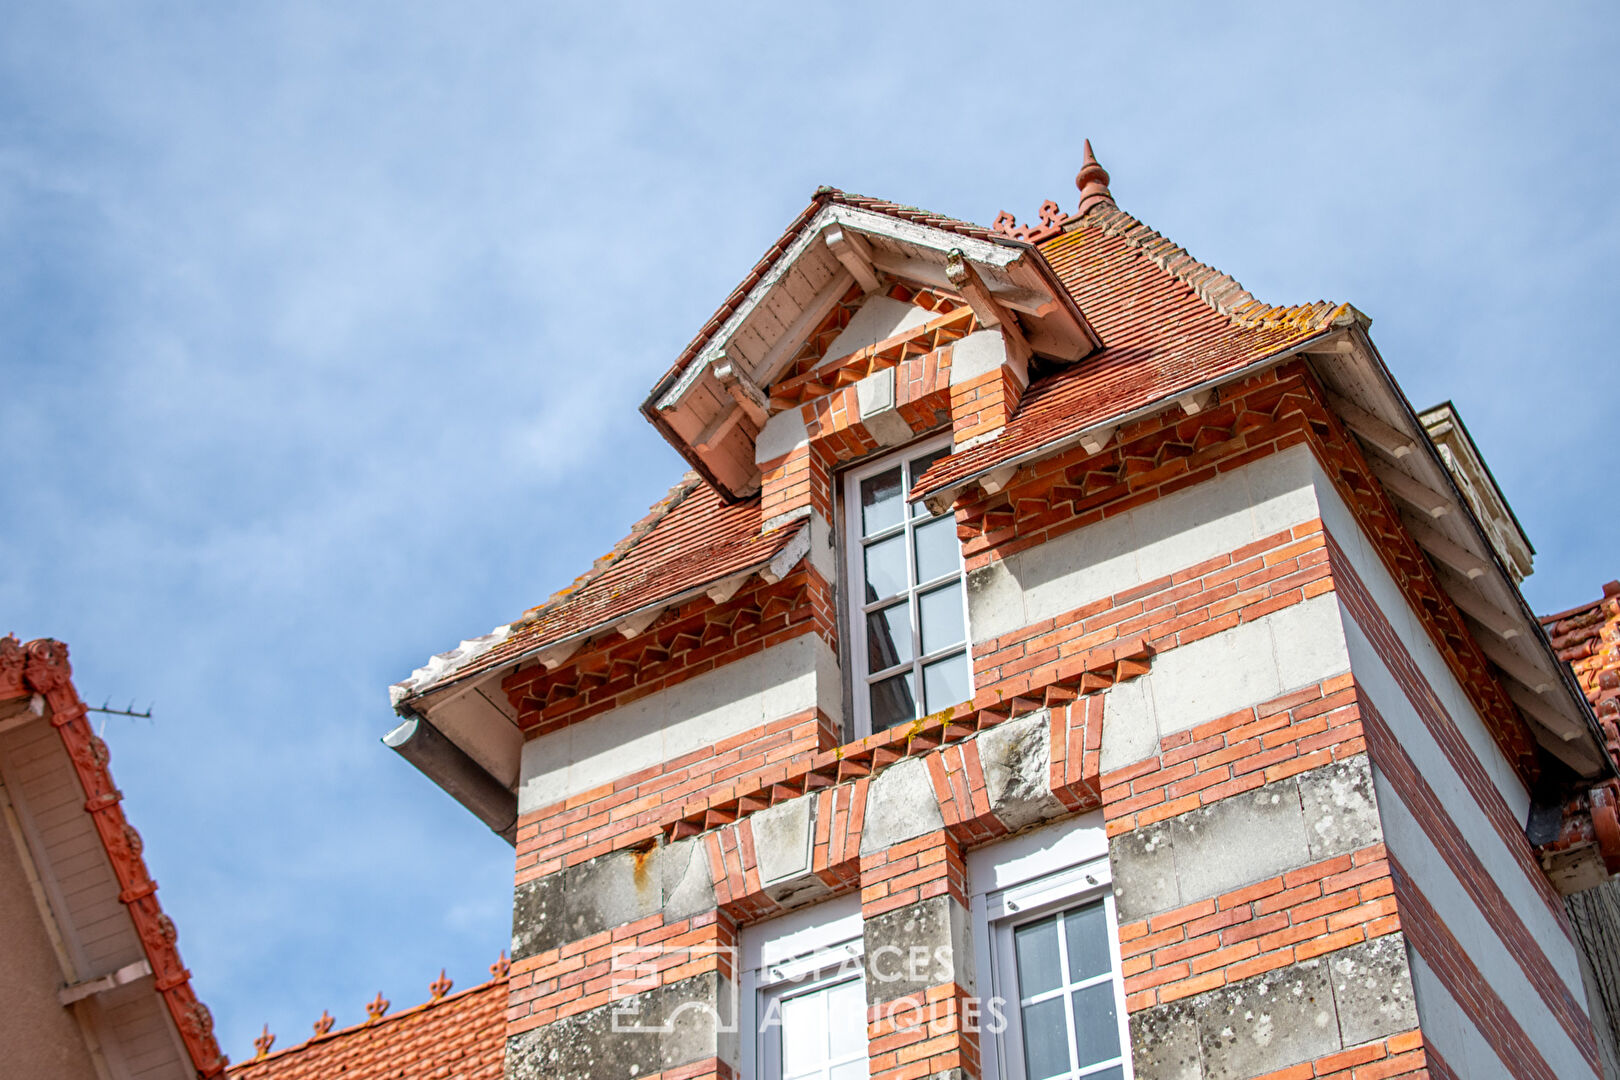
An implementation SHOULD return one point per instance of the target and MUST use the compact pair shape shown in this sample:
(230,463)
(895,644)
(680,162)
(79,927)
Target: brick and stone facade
(1246,673)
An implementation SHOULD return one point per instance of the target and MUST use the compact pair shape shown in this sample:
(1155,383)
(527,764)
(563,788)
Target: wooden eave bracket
(1543,713)
(140,969)
(1195,403)
(743,390)
(722,591)
(1446,551)
(966,280)
(1474,604)
(1414,493)
(554,656)
(995,480)
(633,625)
(1534,678)
(854,254)
(1392,441)
(1094,440)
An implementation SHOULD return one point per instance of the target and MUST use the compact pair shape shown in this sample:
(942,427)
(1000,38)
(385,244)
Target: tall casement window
(804,996)
(907,607)
(1052,949)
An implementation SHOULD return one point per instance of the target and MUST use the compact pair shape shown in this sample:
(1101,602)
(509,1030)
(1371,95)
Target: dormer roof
(714,399)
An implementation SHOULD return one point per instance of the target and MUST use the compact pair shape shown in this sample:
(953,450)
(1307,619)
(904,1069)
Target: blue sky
(322,329)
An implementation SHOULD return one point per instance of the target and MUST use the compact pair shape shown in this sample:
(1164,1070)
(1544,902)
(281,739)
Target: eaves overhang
(711,404)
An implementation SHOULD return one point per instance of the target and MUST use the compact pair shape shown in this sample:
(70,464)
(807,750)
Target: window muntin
(1045,930)
(1067,1017)
(804,995)
(908,608)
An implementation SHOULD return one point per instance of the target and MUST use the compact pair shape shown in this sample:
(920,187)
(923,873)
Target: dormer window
(907,607)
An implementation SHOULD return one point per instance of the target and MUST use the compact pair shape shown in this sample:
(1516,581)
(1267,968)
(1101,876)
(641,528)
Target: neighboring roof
(105,911)
(1588,639)
(1168,322)
(689,539)
(457,1037)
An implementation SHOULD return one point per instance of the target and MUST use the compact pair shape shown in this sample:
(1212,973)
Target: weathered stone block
(916,947)
(641,1034)
(688,881)
(1372,987)
(1144,866)
(610,891)
(1265,825)
(1265,1023)
(1017,761)
(1164,1043)
(538,915)
(900,805)
(1341,810)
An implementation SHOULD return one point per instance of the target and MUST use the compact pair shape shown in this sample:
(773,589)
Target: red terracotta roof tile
(1588,639)
(459,1037)
(41,667)
(691,538)
(1168,323)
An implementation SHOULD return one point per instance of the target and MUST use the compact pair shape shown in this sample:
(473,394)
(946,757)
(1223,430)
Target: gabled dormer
(922,317)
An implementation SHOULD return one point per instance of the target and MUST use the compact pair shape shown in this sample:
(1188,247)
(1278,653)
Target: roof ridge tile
(1218,290)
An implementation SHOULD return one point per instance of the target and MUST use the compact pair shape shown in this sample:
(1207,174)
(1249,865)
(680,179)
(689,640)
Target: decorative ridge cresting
(1221,292)
(376,1016)
(42,667)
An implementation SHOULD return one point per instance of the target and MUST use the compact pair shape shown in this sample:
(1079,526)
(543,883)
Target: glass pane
(846,1008)
(1036,948)
(1046,1043)
(940,612)
(804,1033)
(919,465)
(881,498)
(852,1070)
(1096,1032)
(888,636)
(1116,1073)
(945,682)
(1086,929)
(892,701)
(886,568)
(938,552)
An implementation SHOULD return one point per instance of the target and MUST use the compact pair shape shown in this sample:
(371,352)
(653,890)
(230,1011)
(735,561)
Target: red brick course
(1294,916)
(1235,753)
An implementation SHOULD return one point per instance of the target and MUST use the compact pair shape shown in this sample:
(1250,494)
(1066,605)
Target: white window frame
(1022,880)
(803,950)
(856,607)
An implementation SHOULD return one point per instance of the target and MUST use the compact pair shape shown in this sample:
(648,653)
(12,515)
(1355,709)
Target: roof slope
(1168,323)
(1588,639)
(690,538)
(459,1037)
(39,672)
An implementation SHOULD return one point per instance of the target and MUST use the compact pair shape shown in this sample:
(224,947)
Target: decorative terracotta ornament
(440,986)
(324,1024)
(376,1007)
(263,1043)
(1092,180)
(499,968)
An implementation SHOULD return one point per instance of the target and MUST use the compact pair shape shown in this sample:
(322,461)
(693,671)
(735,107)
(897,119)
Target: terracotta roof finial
(263,1043)
(376,1008)
(499,968)
(324,1024)
(1092,180)
(440,986)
